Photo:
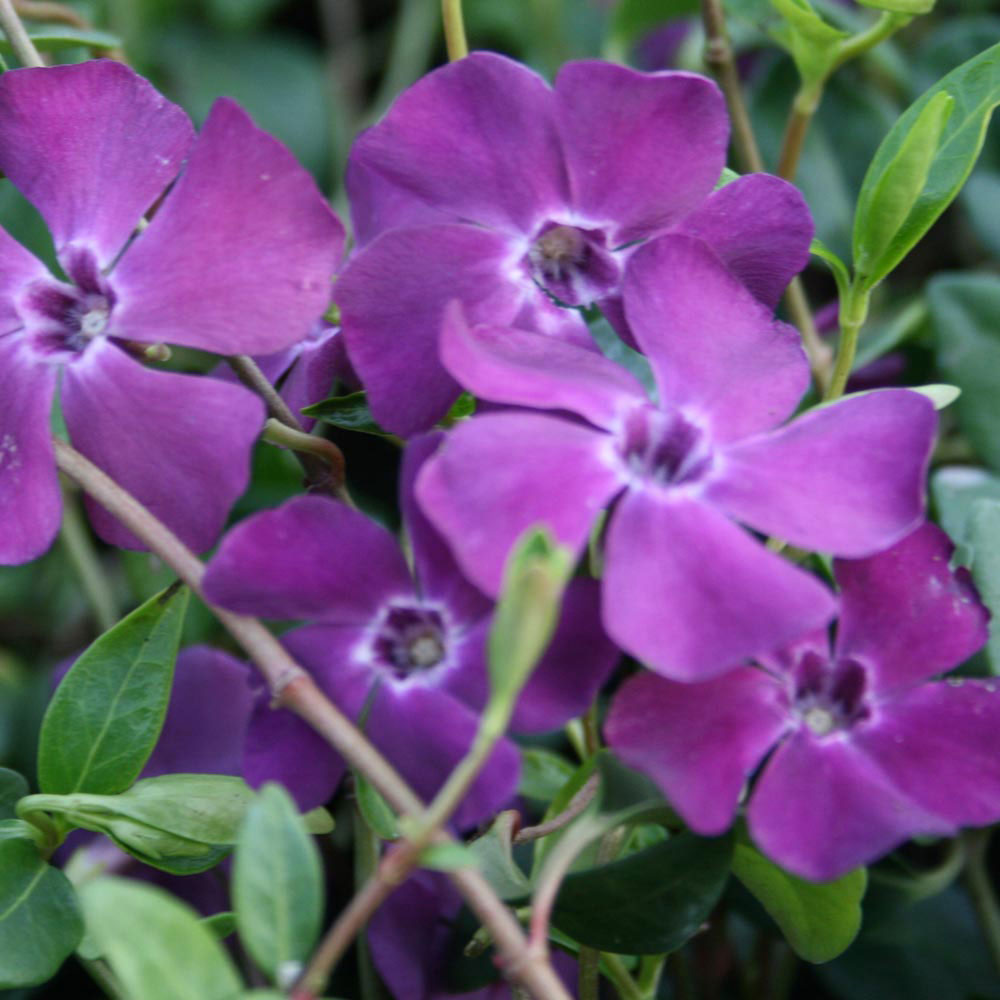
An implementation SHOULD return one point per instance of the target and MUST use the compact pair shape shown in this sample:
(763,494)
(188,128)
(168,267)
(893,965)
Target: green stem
(614,969)
(454,30)
(980,889)
(23,46)
(83,555)
(588,966)
(853,313)
(650,970)
(887,24)
(366,857)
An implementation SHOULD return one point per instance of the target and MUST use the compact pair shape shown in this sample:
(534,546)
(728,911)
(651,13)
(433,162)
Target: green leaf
(106,715)
(648,903)
(180,823)
(156,946)
(975,88)
(819,921)
(221,924)
(955,490)
(375,811)
(901,6)
(447,857)
(350,412)
(464,406)
(885,207)
(837,267)
(40,922)
(964,310)
(984,540)
(543,773)
(64,36)
(277,884)
(495,859)
(527,611)
(13,786)
(634,18)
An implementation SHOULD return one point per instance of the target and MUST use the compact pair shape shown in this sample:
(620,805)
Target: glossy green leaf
(495,858)
(277,884)
(157,947)
(964,310)
(884,209)
(13,786)
(819,921)
(901,6)
(448,857)
(634,18)
(543,773)
(221,924)
(180,823)
(375,811)
(527,611)
(975,88)
(106,715)
(648,903)
(40,922)
(955,490)
(983,539)
(64,36)
(350,412)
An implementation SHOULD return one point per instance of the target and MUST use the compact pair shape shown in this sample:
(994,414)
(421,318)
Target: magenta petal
(498,474)
(240,259)
(579,659)
(940,745)
(210,706)
(18,268)
(716,352)
(180,444)
(760,228)
(425,733)
(310,558)
(506,365)
(906,613)
(822,808)
(438,575)
(29,485)
(847,479)
(92,146)
(474,138)
(699,742)
(392,297)
(642,149)
(691,594)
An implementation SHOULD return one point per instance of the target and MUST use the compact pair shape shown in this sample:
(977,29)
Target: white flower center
(820,720)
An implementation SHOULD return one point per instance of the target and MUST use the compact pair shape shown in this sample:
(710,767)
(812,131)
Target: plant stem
(980,889)
(83,555)
(853,313)
(454,30)
(23,46)
(650,970)
(574,808)
(366,860)
(819,353)
(719,59)
(613,967)
(294,689)
(43,10)
(326,473)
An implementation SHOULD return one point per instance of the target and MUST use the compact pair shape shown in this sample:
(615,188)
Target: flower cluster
(493,216)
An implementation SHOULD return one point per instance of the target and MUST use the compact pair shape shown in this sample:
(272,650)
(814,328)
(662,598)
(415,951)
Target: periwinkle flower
(484,184)
(413,936)
(860,751)
(685,589)
(238,258)
(404,649)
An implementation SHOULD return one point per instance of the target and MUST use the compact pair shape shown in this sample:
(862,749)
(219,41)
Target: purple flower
(238,258)
(410,937)
(412,643)
(507,194)
(862,753)
(685,589)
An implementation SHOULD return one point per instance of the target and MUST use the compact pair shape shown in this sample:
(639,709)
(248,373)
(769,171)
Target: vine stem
(23,46)
(454,30)
(977,882)
(83,555)
(294,689)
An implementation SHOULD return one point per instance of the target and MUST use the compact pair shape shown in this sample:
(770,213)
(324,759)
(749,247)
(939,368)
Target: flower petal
(760,228)
(506,365)
(642,149)
(29,484)
(847,478)
(392,297)
(940,745)
(474,138)
(18,268)
(240,258)
(716,352)
(822,807)
(92,146)
(906,613)
(691,594)
(498,474)
(310,558)
(180,444)
(699,742)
